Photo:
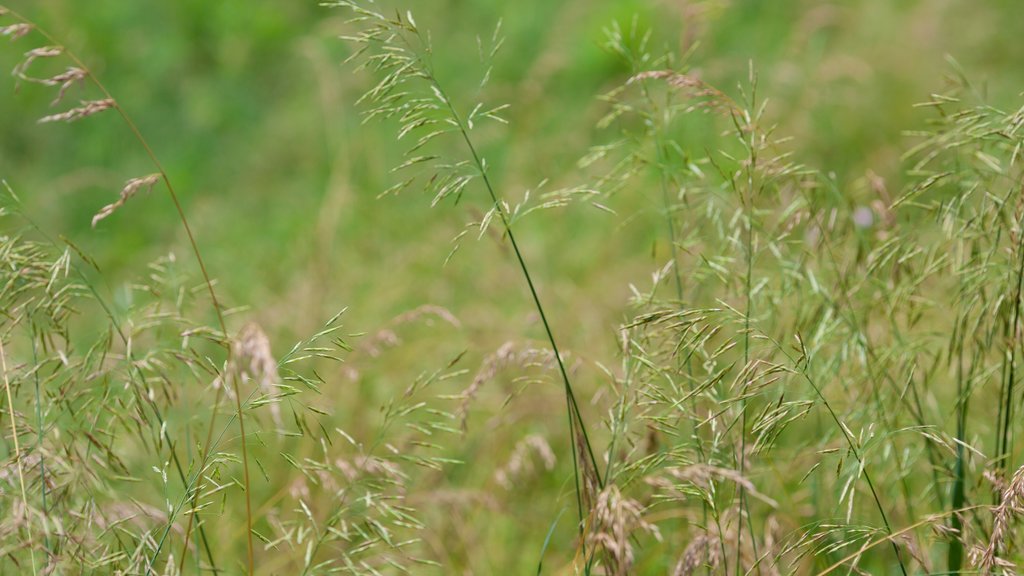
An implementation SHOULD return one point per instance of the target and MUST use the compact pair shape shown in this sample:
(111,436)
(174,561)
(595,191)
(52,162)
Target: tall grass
(812,378)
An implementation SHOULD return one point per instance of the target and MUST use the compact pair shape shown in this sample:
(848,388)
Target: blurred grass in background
(251,111)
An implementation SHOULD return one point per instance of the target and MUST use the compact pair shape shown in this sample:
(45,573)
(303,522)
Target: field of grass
(583,287)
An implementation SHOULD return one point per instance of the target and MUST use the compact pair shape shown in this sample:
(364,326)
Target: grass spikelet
(31,56)
(508,355)
(88,108)
(15,31)
(701,552)
(253,361)
(131,188)
(615,520)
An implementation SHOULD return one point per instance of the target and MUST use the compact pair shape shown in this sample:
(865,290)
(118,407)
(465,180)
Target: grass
(727,332)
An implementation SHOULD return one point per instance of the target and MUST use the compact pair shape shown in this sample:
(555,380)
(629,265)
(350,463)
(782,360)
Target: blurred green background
(251,110)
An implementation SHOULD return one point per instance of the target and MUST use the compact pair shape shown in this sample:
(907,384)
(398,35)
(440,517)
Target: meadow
(584,287)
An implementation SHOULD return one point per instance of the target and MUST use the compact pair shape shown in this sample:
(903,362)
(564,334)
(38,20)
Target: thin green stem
(849,441)
(575,418)
(748,297)
(955,553)
(1006,438)
(43,483)
(660,127)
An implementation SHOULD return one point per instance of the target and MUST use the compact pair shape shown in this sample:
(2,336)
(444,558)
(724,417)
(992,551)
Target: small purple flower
(863,217)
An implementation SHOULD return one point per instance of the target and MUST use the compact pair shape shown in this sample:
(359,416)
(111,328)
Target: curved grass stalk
(871,359)
(570,395)
(577,428)
(748,209)
(406,61)
(1004,443)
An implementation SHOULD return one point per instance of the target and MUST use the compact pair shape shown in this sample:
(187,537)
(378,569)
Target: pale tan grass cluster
(1011,506)
(88,108)
(131,188)
(704,95)
(321,478)
(253,356)
(701,552)
(521,464)
(995,478)
(615,520)
(65,80)
(370,466)
(508,355)
(590,481)
(133,512)
(387,337)
(15,31)
(9,470)
(252,360)
(21,70)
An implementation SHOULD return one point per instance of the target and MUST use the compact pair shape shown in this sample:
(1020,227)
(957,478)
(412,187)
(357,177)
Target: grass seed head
(130,189)
(88,108)
(15,31)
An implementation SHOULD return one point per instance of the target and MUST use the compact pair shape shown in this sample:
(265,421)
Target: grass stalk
(748,222)
(955,553)
(133,370)
(39,447)
(803,369)
(575,418)
(1004,449)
